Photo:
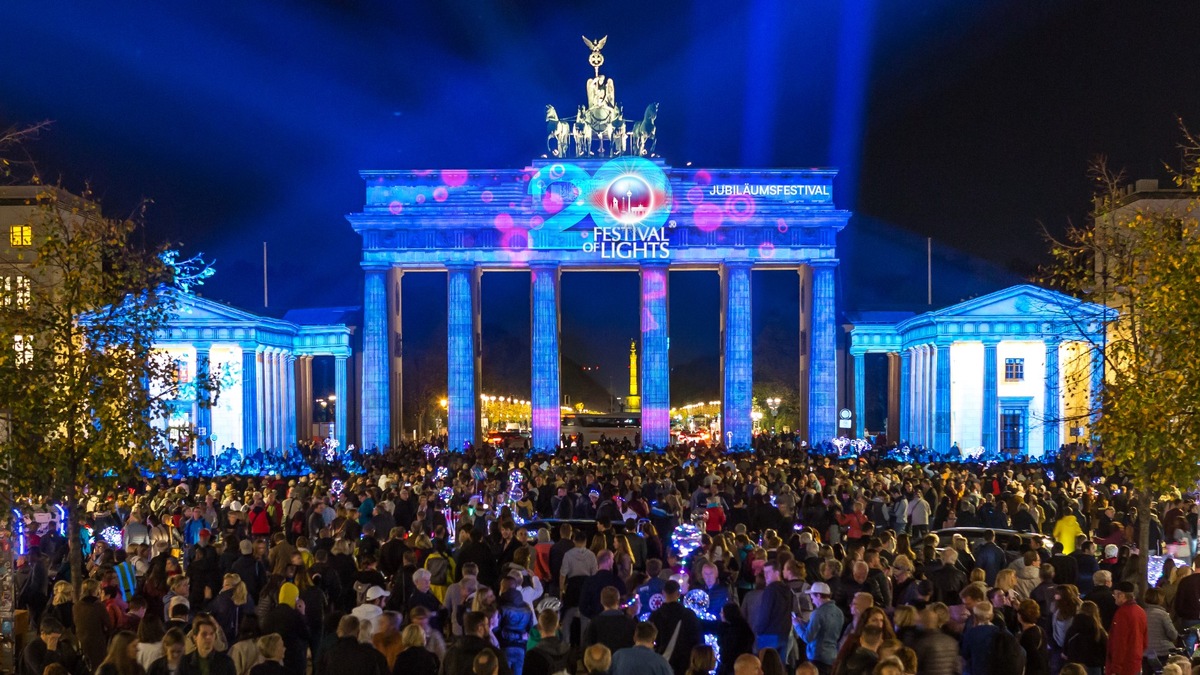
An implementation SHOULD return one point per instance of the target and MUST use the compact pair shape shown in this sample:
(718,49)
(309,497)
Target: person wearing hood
(371,609)
(286,619)
(516,619)
(552,654)
(1065,531)
(1029,573)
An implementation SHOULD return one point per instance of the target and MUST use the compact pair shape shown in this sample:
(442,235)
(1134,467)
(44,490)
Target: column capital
(990,342)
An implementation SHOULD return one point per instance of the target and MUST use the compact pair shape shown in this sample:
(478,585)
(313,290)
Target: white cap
(820,588)
(375,593)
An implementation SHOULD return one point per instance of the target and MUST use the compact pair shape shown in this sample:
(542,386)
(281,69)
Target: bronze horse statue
(644,139)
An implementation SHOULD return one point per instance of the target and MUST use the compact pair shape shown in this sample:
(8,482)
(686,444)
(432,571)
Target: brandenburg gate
(599,199)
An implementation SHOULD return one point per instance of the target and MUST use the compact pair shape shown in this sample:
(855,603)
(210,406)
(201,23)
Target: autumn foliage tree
(80,383)
(1142,260)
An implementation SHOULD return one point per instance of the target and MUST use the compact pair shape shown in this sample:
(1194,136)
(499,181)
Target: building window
(1012,430)
(15,292)
(20,235)
(23,347)
(183,374)
(1014,370)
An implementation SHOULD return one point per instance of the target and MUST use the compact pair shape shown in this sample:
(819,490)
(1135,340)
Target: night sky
(970,122)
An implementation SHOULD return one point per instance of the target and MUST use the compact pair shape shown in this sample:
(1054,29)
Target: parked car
(1013,542)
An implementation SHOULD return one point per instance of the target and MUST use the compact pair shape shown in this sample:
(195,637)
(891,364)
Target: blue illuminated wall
(628,213)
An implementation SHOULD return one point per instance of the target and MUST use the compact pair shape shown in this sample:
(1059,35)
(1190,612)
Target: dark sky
(971,122)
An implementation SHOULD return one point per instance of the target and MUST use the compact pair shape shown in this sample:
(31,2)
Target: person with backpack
(988,649)
(441,567)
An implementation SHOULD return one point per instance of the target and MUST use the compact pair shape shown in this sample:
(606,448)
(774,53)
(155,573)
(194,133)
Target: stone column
(261,384)
(923,395)
(203,402)
(1096,385)
(545,399)
(905,395)
(822,407)
(737,353)
(376,412)
(280,401)
(1052,406)
(304,397)
(941,409)
(656,367)
(462,389)
(860,395)
(990,433)
(289,367)
(268,417)
(340,406)
(805,334)
(395,276)
(249,399)
(893,396)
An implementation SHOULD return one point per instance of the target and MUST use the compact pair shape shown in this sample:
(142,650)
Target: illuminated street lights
(773,404)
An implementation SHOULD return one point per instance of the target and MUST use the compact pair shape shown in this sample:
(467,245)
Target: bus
(587,428)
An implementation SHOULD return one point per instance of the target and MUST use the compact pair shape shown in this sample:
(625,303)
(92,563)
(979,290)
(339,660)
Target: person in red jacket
(853,521)
(716,516)
(1127,639)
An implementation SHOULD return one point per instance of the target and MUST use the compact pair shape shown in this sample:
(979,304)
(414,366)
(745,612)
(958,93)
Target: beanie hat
(288,594)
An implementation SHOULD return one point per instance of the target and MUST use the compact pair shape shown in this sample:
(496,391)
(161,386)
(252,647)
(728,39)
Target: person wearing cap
(287,619)
(203,569)
(823,628)
(1128,635)
(1102,595)
(371,608)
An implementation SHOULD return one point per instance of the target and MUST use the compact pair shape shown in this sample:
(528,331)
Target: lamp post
(773,404)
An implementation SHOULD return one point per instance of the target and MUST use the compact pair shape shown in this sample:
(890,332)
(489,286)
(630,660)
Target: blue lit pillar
(991,398)
(1096,388)
(203,403)
(376,411)
(1052,406)
(268,399)
(249,399)
(656,368)
(941,409)
(280,402)
(262,383)
(546,418)
(906,395)
(822,401)
(340,420)
(860,395)
(289,371)
(922,396)
(738,358)
(462,389)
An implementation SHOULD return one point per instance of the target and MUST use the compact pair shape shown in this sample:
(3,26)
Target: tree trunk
(1143,540)
(74,548)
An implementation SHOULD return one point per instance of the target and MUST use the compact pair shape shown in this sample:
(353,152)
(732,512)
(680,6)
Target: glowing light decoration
(685,540)
(19,532)
(712,641)
(111,535)
(1154,569)
(61,525)
(431,451)
(697,601)
(336,487)
(446,494)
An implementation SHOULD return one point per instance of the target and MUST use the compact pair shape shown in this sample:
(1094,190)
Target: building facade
(263,367)
(1013,371)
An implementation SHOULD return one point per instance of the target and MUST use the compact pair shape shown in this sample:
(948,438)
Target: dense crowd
(612,562)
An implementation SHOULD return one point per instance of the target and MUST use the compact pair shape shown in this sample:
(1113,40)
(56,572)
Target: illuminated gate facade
(599,200)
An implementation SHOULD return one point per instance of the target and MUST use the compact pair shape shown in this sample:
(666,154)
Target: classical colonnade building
(1015,371)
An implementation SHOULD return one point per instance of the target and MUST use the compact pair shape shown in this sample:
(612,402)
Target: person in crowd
(821,631)
(612,627)
(597,660)
(50,648)
(206,658)
(414,656)
(348,655)
(272,649)
(679,627)
(551,654)
(643,658)
(1128,638)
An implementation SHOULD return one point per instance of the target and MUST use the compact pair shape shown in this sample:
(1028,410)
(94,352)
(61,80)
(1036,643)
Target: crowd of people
(608,561)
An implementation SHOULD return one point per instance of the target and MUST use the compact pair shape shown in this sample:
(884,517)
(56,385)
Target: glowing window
(20,235)
(183,374)
(1014,370)
(23,347)
(16,292)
